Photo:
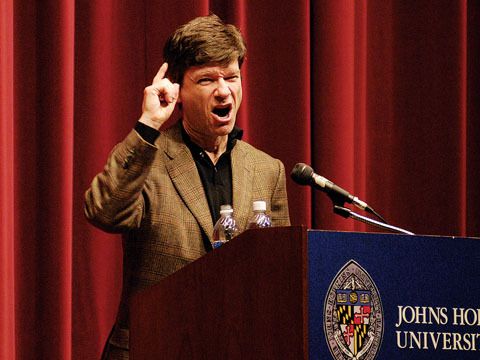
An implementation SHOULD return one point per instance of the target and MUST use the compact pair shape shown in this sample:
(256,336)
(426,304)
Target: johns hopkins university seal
(353,315)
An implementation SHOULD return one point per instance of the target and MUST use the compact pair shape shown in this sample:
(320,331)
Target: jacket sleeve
(279,206)
(118,197)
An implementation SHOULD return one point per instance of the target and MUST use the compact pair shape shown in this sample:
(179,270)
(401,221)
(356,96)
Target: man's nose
(222,89)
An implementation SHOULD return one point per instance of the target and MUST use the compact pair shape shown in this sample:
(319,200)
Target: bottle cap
(226,209)
(259,205)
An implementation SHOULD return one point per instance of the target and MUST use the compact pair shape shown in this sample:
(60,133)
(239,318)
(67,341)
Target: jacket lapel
(242,177)
(184,175)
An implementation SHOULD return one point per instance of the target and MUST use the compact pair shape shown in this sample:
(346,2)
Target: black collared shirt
(216,179)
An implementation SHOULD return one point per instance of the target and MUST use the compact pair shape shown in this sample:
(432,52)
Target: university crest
(353,315)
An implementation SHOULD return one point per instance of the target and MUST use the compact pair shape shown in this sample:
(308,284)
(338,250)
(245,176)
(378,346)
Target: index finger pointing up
(160,74)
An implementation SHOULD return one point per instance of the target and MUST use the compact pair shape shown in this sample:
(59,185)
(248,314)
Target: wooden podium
(245,300)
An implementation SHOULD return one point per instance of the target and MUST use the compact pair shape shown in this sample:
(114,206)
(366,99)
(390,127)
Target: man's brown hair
(204,40)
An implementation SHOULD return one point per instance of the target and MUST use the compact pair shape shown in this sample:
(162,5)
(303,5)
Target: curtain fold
(7,196)
(334,93)
(473,115)
(43,121)
(379,96)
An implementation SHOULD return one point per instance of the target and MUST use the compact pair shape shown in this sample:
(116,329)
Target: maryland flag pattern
(353,314)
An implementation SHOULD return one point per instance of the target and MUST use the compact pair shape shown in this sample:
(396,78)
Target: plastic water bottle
(259,219)
(226,227)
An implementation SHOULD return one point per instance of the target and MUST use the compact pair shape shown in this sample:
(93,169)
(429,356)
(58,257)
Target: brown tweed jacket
(154,196)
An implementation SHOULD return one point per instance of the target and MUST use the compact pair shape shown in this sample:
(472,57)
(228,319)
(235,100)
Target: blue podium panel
(393,296)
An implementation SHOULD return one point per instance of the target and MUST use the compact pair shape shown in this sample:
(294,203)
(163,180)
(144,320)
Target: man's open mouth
(223,111)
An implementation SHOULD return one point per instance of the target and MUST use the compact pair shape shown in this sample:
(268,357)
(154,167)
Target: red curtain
(379,96)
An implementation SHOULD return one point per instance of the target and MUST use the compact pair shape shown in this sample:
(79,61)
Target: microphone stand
(347,213)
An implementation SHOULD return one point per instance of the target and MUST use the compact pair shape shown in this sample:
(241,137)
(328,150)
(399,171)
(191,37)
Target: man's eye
(232,78)
(205,81)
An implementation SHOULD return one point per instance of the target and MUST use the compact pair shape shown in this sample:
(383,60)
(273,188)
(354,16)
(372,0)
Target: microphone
(304,175)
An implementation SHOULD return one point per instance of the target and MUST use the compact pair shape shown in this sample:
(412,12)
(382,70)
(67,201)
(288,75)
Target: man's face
(210,97)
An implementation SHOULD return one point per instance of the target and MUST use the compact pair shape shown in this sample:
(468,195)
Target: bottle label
(218,243)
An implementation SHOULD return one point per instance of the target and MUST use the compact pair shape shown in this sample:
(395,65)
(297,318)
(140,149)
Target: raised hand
(159,99)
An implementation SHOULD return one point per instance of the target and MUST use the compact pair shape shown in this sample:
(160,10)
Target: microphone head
(302,174)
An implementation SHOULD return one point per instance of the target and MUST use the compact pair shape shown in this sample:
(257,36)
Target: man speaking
(163,189)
